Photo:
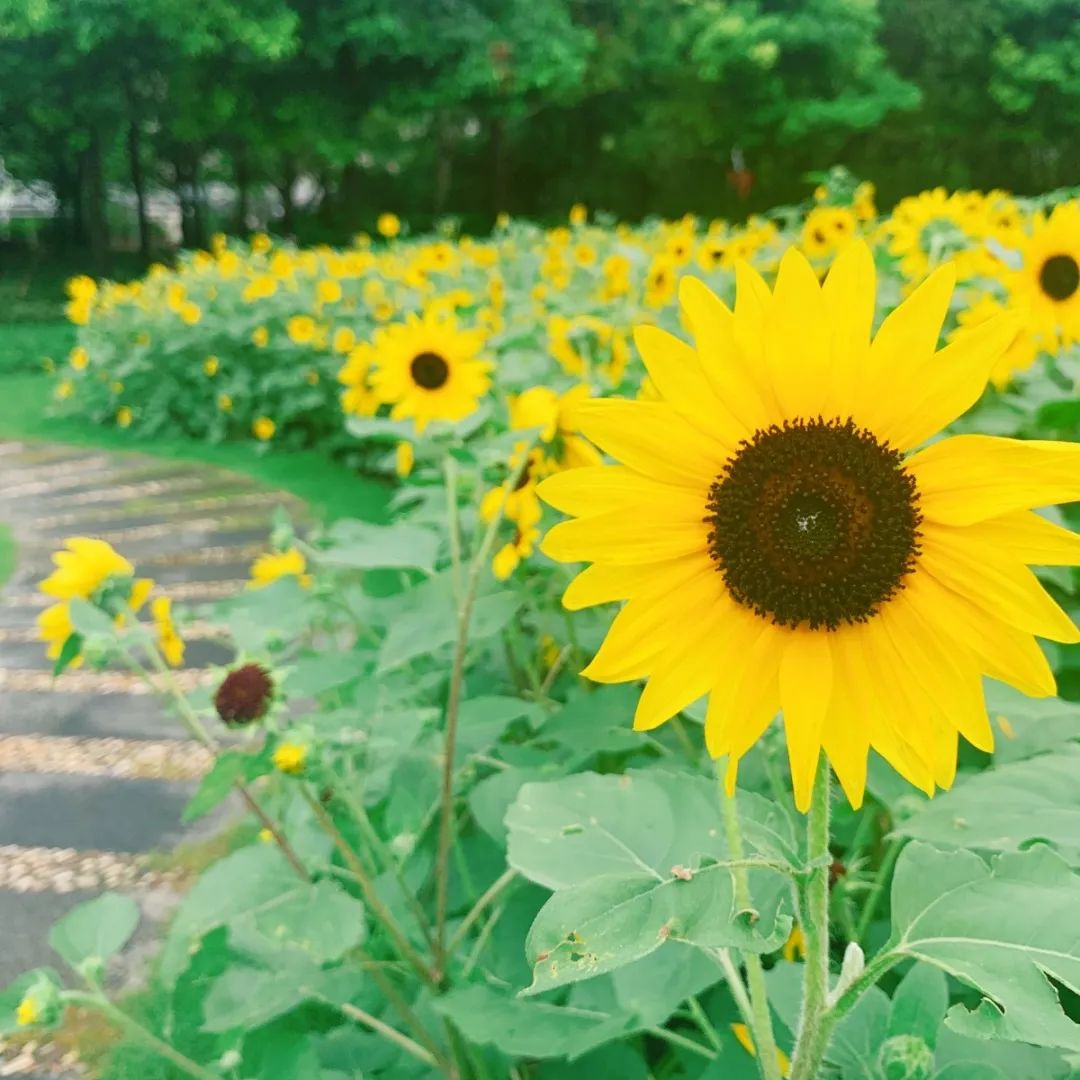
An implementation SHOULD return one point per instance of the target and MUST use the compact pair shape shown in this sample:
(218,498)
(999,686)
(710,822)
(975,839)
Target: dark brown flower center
(1059,277)
(815,522)
(429,370)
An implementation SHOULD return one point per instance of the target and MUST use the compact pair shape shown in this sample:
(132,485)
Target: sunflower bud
(244,695)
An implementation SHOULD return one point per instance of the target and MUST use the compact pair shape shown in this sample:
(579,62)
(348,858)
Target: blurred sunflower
(767,503)
(427,369)
(1049,281)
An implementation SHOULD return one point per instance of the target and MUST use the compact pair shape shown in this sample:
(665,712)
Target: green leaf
(519,1028)
(633,858)
(362,546)
(69,653)
(482,720)
(244,881)
(564,832)
(321,920)
(1008,808)
(314,675)
(90,621)
(95,930)
(216,786)
(960,1058)
(919,1004)
(1002,928)
(1035,725)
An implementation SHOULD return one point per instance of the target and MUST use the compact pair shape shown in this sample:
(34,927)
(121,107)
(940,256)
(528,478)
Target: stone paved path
(93,774)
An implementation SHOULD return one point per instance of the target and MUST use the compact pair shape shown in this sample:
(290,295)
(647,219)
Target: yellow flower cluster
(88,569)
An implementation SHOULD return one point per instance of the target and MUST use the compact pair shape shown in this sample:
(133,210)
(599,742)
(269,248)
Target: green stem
(453,705)
(410,1046)
(682,1041)
(146,1037)
(760,1017)
(493,891)
(367,886)
(813,1033)
(701,1018)
(454,528)
(892,853)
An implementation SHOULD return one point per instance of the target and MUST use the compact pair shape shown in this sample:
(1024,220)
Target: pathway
(93,773)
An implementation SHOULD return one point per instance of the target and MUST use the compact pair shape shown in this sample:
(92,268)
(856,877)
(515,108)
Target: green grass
(331,489)
(23,345)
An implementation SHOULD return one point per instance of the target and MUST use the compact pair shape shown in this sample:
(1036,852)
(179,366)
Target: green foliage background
(489,105)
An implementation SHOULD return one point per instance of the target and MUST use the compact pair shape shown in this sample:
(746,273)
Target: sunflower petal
(677,373)
(850,292)
(621,539)
(970,478)
(652,438)
(797,345)
(806,673)
(903,344)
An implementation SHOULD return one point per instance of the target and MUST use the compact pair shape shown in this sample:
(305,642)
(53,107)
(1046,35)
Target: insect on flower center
(429,370)
(1060,277)
(815,522)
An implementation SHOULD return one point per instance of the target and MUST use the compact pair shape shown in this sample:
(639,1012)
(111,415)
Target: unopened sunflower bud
(244,695)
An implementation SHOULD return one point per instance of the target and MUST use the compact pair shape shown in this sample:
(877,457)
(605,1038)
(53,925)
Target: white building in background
(36,201)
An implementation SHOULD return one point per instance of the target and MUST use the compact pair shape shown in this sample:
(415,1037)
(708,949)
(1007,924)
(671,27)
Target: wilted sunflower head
(245,695)
(785,542)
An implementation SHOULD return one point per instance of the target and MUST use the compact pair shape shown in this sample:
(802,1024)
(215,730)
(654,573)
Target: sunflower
(1049,282)
(782,544)
(83,567)
(427,369)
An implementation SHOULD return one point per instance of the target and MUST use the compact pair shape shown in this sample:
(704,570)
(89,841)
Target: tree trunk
(94,198)
(288,204)
(198,202)
(138,182)
(242,180)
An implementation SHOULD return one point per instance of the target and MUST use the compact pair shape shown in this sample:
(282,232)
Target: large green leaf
(95,930)
(572,830)
(363,546)
(1008,807)
(637,861)
(1034,725)
(220,782)
(1004,929)
(245,881)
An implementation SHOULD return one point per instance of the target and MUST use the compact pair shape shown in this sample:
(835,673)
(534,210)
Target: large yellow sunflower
(427,369)
(781,545)
(1049,280)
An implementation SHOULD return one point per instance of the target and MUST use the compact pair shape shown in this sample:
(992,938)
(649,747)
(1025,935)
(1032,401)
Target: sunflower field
(704,708)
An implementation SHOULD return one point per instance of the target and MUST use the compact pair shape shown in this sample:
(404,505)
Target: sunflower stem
(760,1017)
(453,703)
(813,1031)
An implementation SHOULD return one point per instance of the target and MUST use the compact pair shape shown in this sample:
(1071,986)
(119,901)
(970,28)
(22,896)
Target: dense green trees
(474,106)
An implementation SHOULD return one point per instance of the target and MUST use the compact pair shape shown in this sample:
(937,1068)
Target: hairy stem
(813,1031)
(760,1018)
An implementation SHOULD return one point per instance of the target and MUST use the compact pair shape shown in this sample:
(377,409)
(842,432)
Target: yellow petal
(688,667)
(653,439)
(850,292)
(902,345)
(949,382)
(597,489)
(650,621)
(1009,655)
(969,478)
(1005,589)
(677,373)
(1028,536)
(805,688)
(946,671)
(620,538)
(797,339)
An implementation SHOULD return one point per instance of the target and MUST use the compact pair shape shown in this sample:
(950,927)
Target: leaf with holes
(1006,929)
